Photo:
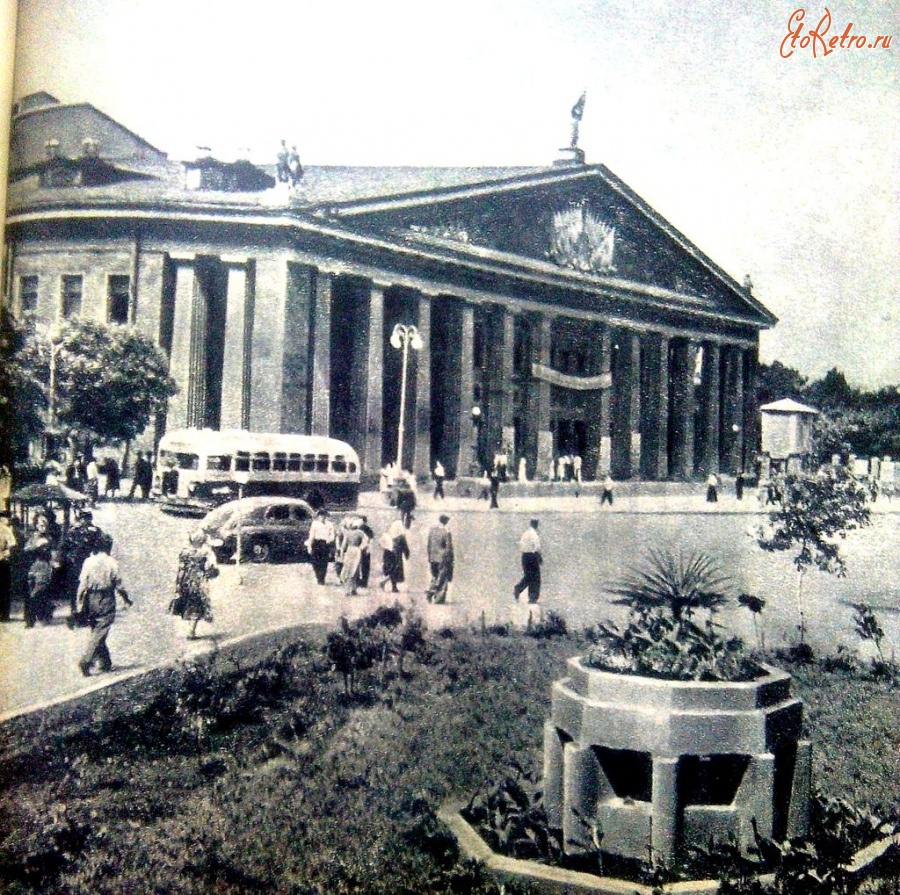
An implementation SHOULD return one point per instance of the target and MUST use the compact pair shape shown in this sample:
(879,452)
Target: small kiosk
(786,436)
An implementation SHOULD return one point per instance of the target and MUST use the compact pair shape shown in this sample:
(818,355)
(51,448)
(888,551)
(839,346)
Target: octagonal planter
(652,767)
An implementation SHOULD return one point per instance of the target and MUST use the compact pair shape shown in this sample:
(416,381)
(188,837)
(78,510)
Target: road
(584,550)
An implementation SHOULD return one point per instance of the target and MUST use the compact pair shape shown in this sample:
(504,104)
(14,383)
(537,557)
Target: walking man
(97,590)
(76,547)
(439,474)
(319,544)
(607,495)
(494,481)
(530,546)
(440,557)
(712,488)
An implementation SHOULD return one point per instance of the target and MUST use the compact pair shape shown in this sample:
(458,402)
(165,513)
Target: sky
(787,169)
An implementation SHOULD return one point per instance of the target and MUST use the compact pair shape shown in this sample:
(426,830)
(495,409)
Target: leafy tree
(21,395)
(812,517)
(776,381)
(110,380)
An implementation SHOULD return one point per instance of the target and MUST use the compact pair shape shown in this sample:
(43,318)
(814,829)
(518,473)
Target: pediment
(587,222)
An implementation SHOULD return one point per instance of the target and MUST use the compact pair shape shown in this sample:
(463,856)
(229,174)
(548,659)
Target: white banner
(564,380)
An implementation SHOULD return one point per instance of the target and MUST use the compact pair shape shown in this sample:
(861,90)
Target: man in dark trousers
(494,479)
(76,547)
(99,585)
(440,558)
(530,547)
(439,475)
(143,476)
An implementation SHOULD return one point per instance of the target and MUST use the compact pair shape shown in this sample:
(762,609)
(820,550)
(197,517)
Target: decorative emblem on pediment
(455,231)
(581,241)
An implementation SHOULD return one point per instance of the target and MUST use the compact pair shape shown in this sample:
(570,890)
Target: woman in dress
(196,565)
(355,542)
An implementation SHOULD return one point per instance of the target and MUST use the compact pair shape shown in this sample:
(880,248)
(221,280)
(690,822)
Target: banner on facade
(564,380)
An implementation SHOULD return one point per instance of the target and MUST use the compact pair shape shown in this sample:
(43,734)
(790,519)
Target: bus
(199,469)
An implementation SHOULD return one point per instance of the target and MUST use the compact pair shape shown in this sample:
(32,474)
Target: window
(28,294)
(322,463)
(118,298)
(279,513)
(309,463)
(242,462)
(299,514)
(71,295)
(187,461)
(220,463)
(261,461)
(294,463)
(339,464)
(279,462)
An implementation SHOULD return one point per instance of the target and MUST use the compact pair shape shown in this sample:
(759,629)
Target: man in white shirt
(530,546)
(319,544)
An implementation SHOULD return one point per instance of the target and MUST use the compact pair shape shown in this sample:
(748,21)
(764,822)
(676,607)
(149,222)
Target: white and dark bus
(199,469)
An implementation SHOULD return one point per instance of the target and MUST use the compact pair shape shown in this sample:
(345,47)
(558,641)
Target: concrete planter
(654,767)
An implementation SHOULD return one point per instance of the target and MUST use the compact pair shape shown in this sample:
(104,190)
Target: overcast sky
(787,169)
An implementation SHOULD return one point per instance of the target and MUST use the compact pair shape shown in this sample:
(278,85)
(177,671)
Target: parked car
(270,528)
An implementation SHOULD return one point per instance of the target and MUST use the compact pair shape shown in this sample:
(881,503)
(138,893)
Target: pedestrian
(739,486)
(92,482)
(530,547)
(100,584)
(712,488)
(142,476)
(494,482)
(561,468)
(8,543)
(576,466)
(320,544)
(80,473)
(606,495)
(439,474)
(282,167)
(523,470)
(406,501)
(396,550)
(365,565)
(440,558)
(196,566)
(355,542)
(38,605)
(295,169)
(113,478)
(75,548)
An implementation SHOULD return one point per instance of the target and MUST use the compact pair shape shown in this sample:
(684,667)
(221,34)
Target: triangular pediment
(583,221)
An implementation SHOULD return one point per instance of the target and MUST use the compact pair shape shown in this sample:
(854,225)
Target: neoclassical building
(552,299)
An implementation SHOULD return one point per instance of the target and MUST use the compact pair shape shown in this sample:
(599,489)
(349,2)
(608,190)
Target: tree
(777,381)
(812,517)
(21,395)
(109,380)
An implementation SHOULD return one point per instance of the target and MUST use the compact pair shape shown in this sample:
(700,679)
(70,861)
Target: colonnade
(270,343)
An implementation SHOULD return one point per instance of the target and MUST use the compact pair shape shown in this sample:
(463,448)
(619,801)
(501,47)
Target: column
(684,356)
(235,412)
(507,388)
(269,353)
(581,772)
(422,428)
(625,400)
(604,463)
(709,407)
(188,348)
(539,399)
(664,808)
(467,460)
(371,405)
(736,458)
(320,413)
(148,299)
(751,408)
(634,412)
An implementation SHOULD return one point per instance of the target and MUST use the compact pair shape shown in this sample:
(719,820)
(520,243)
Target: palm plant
(661,637)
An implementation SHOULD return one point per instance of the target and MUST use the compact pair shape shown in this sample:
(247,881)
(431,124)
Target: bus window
(261,461)
(352,467)
(218,462)
(339,464)
(187,461)
(293,463)
(242,462)
(309,462)
(322,463)
(279,462)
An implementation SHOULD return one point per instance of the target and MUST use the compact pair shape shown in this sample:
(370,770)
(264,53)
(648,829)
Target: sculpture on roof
(577,113)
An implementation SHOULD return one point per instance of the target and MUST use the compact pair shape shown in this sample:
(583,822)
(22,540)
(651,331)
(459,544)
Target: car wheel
(259,550)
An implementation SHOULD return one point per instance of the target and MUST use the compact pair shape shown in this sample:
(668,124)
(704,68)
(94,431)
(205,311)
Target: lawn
(257,772)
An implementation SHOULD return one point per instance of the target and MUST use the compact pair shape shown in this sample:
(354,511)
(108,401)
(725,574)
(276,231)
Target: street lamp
(54,338)
(404,336)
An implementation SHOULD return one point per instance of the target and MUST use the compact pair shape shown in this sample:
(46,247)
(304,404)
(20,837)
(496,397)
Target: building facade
(553,300)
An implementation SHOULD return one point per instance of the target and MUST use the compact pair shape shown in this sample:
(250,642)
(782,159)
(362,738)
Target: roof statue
(577,112)
(571,154)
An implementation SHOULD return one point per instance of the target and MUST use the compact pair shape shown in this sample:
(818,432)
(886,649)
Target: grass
(258,773)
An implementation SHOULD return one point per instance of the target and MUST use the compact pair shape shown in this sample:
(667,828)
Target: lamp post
(404,336)
(475,464)
(54,338)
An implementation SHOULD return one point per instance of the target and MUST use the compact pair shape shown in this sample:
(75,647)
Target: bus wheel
(259,550)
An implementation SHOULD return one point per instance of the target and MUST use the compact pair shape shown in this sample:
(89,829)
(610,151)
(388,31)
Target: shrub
(551,625)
